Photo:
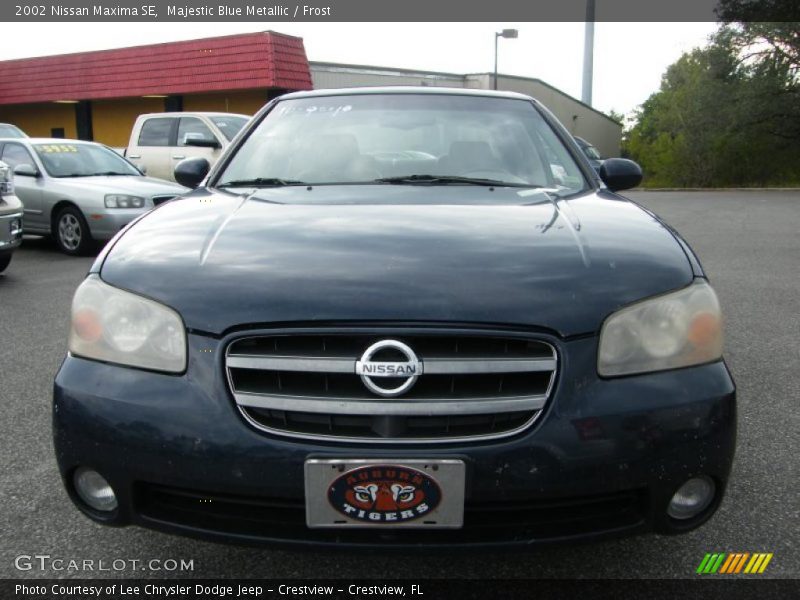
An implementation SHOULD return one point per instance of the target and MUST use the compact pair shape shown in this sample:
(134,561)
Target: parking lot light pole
(508,34)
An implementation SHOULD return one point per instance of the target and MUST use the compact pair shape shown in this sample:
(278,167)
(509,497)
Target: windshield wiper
(106,173)
(448,179)
(259,182)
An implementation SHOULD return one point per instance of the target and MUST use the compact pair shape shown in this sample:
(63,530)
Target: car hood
(454,254)
(139,186)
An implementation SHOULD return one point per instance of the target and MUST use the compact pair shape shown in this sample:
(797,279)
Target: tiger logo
(384,494)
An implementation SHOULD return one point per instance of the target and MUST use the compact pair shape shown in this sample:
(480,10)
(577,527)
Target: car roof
(201,113)
(402,89)
(43,140)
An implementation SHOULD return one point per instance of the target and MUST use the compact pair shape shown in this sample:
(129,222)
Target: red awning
(235,62)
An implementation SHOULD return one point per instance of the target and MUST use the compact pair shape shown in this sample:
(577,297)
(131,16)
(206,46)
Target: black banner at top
(386,10)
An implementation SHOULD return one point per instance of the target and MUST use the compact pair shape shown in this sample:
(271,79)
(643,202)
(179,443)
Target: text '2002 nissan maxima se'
(397,316)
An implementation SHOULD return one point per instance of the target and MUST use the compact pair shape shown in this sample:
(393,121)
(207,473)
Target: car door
(27,187)
(194,129)
(153,150)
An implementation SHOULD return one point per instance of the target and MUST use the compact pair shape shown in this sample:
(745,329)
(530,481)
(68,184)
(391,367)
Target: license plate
(378,493)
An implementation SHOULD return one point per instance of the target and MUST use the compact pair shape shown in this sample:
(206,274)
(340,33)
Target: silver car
(79,192)
(10,217)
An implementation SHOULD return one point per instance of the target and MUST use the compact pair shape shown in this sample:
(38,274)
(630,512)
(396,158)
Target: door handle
(178,156)
(134,156)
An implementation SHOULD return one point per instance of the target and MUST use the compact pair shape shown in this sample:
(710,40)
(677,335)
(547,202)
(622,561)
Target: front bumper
(105,223)
(10,231)
(603,460)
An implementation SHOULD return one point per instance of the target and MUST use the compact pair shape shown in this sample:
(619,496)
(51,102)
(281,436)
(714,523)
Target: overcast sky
(628,63)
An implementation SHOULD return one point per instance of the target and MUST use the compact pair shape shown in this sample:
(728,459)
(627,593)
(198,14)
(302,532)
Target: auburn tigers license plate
(379,493)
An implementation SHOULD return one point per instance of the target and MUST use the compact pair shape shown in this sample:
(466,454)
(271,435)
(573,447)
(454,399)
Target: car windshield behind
(403,138)
(229,125)
(11,131)
(592,152)
(82,160)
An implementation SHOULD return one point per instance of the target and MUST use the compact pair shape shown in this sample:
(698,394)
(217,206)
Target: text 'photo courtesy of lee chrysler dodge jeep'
(79,192)
(386,320)
(159,141)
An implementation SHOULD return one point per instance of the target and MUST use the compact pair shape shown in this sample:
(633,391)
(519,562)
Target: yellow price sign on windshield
(57,148)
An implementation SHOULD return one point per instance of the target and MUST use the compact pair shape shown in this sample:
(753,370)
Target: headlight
(115,326)
(679,329)
(6,180)
(123,201)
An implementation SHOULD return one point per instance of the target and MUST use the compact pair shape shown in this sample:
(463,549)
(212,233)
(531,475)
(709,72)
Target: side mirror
(201,142)
(26,170)
(191,171)
(620,173)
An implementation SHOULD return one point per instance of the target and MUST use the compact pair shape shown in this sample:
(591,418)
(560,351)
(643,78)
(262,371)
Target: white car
(159,141)
(79,192)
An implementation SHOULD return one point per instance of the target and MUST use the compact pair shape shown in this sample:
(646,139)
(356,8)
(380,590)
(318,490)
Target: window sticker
(57,148)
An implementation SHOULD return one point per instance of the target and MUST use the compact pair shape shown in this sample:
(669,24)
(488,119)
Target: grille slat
(468,386)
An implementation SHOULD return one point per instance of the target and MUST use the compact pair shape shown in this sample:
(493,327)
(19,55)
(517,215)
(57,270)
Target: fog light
(692,498)
(94,490)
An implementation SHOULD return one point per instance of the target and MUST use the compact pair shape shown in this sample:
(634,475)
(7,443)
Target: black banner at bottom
(336,589)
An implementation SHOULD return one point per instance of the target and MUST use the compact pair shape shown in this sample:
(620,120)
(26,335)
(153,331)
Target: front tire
(72,232)
(4,261)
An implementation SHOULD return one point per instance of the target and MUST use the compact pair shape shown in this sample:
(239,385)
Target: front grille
(484,522)
(470,386)
(161,199)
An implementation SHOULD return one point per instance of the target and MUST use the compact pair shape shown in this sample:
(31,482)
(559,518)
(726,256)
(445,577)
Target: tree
(721,118)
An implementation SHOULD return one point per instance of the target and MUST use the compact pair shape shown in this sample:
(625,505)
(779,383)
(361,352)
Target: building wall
(246,102)
(330,76)
(112,120)
(37,120)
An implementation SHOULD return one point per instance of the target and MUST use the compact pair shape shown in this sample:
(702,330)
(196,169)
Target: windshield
(591,152)
(413,139)
(82,160)
(10,131)
(229,125)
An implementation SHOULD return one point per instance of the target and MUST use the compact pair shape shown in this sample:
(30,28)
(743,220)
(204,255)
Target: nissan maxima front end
(393,317)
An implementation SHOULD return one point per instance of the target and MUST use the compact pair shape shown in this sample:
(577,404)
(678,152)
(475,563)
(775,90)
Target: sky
(629,58)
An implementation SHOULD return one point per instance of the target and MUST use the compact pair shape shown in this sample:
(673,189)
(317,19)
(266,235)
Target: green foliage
(727,114)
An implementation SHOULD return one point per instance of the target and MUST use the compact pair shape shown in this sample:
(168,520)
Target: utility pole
(588,54)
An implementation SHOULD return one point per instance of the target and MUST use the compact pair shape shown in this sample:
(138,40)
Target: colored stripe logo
(734,563)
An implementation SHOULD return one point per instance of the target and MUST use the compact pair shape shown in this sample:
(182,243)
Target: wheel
(72,233)
(5,259)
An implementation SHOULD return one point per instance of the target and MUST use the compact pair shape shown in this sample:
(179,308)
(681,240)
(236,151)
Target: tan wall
(112,120)
(38,119)
(332,76)
(247,102)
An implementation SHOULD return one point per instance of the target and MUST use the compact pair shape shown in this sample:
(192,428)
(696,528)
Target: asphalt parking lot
(749,243)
